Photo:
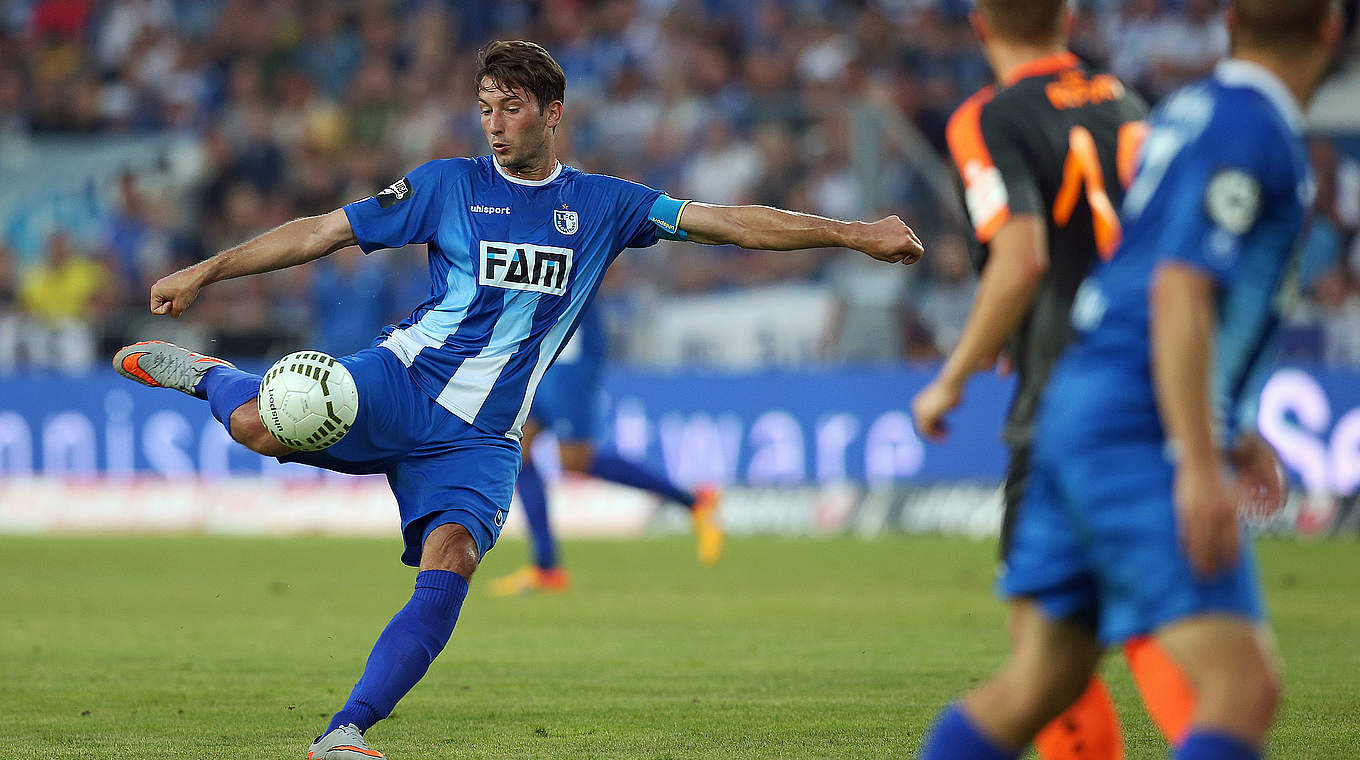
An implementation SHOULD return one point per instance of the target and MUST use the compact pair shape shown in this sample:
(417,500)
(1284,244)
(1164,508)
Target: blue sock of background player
(615,469)
(1214,745)
(955,737)
(533,495)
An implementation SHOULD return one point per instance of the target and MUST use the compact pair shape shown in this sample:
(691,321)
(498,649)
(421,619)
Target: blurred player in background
(518,244)
(1044,158)
(1145,446)
(567,403)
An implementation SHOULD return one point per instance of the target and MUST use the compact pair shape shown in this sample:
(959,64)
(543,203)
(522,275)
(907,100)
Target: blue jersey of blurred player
(1129,525)
(567,404)
(517,246)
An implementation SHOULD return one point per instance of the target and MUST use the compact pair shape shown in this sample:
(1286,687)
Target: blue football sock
(1215,745)
(407,646)
(226,388)
(954,737)
(615,469)
(533,494)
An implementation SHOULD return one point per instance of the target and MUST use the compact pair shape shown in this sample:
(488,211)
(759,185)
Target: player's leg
(1211,627)
(230,393)
(543,572)
(1053,621)
(453,504)
(1049,668)
(702,503)
(1236,682)
(412,640)
(1163,685)
(418,632)
(1089,729)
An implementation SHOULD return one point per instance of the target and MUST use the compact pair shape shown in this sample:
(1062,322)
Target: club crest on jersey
(566,222)
(526,266)
(395,193)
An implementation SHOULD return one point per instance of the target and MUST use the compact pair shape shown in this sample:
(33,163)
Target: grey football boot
(343,743)
(165,365)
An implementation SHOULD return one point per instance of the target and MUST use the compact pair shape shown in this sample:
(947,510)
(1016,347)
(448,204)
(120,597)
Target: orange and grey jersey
(1059,141)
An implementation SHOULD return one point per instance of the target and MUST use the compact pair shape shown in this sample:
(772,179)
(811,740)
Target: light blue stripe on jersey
(436,325)
(560,332)
(547,350)
(471,384)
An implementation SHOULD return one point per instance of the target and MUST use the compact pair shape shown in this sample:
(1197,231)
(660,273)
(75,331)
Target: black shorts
(1013,492)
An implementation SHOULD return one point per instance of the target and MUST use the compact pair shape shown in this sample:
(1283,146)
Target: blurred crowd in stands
(276,109)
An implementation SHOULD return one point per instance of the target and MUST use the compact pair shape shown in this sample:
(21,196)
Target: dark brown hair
(1286,26)
(1036,22)
(522,67)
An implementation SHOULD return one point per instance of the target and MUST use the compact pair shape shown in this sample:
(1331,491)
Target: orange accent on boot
(1089,730)
(1166,690)
(360,750)
(131,367)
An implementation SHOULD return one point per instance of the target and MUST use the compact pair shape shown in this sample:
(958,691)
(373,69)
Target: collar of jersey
(1234,72)
(1038,67)
(556,172)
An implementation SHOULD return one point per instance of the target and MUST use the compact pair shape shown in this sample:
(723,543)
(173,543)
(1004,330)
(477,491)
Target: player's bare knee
(1251,688)
(249,431)
(450,547)
(1041,692)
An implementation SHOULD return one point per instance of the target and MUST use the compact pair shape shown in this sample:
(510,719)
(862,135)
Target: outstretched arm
(772,229)
(297,242)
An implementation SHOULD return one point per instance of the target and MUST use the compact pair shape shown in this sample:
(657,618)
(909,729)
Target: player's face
(517,130)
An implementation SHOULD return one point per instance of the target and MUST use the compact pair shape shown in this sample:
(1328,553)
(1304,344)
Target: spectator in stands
(66,286)
(9,286)
(725,99)
(350,296)
(1189,45)
(944,299)
(1133,34)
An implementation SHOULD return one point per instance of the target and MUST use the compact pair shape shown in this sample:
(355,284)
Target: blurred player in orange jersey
(1044,156)
(1145,445)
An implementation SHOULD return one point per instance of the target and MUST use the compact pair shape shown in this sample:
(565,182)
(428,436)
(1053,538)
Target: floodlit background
(138,136)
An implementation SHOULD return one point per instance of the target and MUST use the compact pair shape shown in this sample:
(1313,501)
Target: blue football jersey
(513,264)
(588,345)
(1223,186)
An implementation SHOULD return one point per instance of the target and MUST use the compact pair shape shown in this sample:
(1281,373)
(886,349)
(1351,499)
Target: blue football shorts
(441,469)
(1096,541)
(568,400)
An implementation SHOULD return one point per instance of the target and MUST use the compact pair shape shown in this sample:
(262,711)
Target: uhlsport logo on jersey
(566,222)
(526,266)
(395,193)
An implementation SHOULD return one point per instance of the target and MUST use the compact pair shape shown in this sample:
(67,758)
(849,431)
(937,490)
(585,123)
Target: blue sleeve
(665,217)
(407,211)
(1213,198)
(646,215)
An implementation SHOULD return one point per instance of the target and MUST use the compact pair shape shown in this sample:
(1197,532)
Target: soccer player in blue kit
(1129,524)
(567,404)
(517,246)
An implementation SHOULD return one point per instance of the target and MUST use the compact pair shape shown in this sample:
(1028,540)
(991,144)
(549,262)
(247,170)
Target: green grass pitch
(207,647)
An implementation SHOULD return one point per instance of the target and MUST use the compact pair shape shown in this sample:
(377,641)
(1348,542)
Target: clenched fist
(890,240)
(173,293)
